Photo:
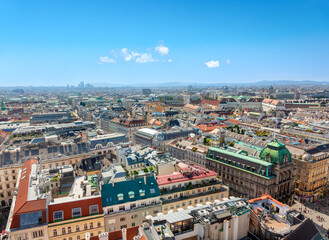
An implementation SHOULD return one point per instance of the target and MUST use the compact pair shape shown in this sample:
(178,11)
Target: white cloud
(169,60)
(228,61)
(135,54)
(126,55)
(212,64)
(145,58)
(106,59)
(162,50)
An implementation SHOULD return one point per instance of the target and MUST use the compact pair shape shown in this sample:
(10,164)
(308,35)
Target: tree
(231,144)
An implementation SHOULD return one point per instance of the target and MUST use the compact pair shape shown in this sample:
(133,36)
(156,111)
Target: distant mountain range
(185,84)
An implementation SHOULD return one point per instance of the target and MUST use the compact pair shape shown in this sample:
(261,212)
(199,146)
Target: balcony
(135,209)
(190,187)
(180,198)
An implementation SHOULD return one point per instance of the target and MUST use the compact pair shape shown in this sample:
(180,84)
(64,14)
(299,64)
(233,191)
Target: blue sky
(124,42)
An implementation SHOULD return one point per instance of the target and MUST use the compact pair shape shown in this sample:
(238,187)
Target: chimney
(103,236)
(113,184)
(87,236)
(124,234)
(145,179)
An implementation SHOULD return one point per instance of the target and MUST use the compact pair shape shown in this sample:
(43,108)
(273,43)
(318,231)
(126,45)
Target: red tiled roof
(267,100)
(22,204)
(210,102)
(157,123)
(176,177)
(266,196)
(115,235)
(233,121)
(132,232)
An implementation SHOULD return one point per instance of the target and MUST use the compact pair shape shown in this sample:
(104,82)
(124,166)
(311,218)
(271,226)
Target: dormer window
(142,192)
(131,194)
(120,196)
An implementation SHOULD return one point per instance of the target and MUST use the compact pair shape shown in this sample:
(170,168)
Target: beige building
(272,172)
(188,151)
(128,203)
(8,175)
(8,179)
(312,172)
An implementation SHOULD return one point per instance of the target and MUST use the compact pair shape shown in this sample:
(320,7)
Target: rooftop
(186,172)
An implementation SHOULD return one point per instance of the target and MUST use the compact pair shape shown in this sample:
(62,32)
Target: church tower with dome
(277,154)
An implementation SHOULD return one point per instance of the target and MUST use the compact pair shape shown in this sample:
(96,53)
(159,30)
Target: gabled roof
(111,191)
(23,205)
(233,121)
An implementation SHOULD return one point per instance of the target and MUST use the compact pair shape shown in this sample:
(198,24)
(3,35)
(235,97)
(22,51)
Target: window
(85,226)
(35,234)
(142,193)
(99,224)
(133,205)
(55,232)
(58,215)
(69,230)
(131,194)
(76,212)
(78,237)
(40,233)
(63,230)
(122,219)
(93,209)
(123,226)
(110,210)
(122,208)
(91,225)
(120,196)
(77,228)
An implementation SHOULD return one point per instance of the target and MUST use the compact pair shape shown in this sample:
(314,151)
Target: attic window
(152,190)
(120,196)
(142,192)
(131,194)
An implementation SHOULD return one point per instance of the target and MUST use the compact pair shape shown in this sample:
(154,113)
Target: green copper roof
(275,152)
(3,106)
(129,191)
(242,156)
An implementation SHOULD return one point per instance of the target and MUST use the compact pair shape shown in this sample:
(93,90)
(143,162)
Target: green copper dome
(275,152)
(3,106)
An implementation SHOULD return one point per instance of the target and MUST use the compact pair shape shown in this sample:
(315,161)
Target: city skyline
(126,43)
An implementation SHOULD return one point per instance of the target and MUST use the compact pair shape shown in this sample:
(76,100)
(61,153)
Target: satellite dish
(192,135)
